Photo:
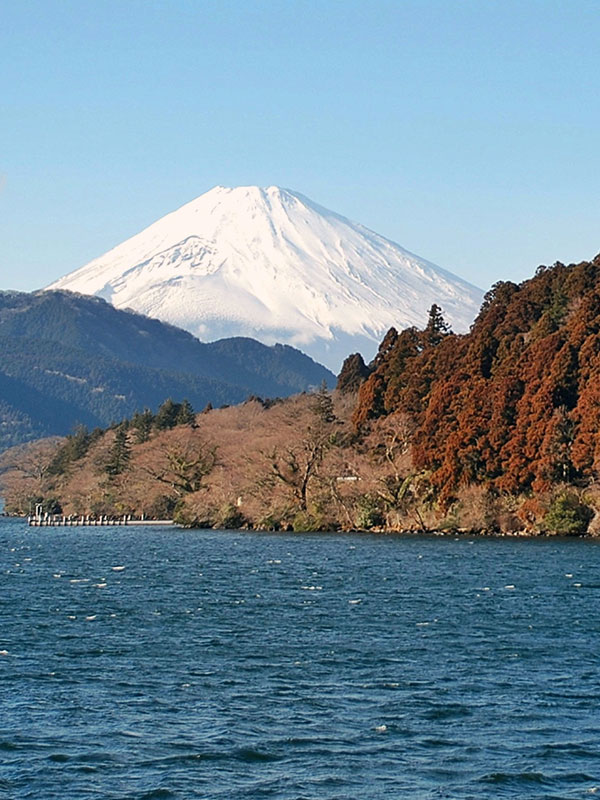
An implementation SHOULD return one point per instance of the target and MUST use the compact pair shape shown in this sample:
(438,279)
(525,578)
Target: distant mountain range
(69,359)
(273,265)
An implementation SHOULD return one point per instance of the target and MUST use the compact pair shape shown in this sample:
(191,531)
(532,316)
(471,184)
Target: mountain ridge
(94,364)
(273,265)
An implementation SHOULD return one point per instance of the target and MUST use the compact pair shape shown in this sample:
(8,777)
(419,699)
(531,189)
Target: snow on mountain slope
(273,265)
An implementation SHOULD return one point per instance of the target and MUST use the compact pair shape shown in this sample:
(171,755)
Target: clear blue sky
(466,130)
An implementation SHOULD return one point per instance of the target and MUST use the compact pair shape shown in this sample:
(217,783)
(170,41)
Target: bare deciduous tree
(182,462)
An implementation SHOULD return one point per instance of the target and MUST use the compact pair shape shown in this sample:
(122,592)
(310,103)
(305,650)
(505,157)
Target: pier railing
(57,520)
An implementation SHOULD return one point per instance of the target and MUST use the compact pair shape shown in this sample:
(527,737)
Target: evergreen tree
(166,416)
(436,328)
(185,414)
(568,515)
(354,371)
(322,405)
(119,454)
(74,448)
(142,423)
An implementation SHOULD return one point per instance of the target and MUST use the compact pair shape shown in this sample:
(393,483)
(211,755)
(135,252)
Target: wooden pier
(57,521)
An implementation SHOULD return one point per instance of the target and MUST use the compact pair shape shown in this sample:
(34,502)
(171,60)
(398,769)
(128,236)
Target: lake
(163,663)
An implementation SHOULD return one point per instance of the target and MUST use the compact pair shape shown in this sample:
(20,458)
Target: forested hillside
(515,404)
(68,359)
(494,430)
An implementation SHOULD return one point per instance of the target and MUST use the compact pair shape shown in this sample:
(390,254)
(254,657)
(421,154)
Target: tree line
(496,429)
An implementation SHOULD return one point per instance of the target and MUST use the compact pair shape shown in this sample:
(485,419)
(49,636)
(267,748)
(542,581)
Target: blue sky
(467,131)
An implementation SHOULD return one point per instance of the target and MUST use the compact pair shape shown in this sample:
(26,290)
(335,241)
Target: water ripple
(220,665)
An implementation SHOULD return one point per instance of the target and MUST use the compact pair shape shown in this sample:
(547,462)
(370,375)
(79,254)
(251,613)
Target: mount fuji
(275,266)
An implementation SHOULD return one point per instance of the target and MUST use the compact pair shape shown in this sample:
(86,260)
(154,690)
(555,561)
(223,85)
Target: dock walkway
(57,521)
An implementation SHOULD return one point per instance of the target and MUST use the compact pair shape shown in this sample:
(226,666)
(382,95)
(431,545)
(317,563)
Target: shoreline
(455,533)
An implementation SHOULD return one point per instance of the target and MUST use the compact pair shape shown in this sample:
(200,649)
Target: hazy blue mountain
(68,359)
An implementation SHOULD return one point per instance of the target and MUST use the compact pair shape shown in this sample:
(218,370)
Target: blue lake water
(247,665)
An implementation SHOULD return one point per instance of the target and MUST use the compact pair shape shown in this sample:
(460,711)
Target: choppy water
(230,665)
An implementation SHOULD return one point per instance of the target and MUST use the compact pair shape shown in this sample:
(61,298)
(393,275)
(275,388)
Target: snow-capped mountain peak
(271,264)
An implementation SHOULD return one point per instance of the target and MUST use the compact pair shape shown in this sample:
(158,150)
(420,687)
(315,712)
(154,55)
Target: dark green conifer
(322,405)
(75,447)
(142,424)
(166,416)
(119,454)
(437,327)
(185,414)
(354,371)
